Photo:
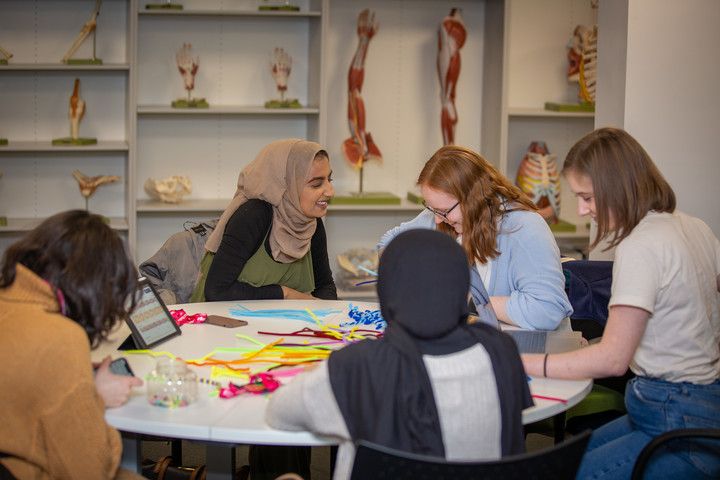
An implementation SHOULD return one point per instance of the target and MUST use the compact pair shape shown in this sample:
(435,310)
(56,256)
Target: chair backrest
(558,462)
(682,434)
(174,269)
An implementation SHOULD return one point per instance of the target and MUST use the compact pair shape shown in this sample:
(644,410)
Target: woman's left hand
(114,389)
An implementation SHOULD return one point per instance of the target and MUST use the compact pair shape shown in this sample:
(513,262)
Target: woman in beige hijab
(270,241)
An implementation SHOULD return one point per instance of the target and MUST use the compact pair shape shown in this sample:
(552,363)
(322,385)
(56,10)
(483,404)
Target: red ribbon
(181,317)
(259,383)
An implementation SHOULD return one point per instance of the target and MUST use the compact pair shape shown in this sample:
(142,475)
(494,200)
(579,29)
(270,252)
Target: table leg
(220,461)
(131,455)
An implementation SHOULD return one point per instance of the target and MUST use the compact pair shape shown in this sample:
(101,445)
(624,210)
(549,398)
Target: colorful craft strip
(289,314)
(182,318)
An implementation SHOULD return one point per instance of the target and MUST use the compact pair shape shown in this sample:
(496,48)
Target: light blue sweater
(527,270)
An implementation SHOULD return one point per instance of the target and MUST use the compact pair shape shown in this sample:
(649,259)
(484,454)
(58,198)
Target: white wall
(671,104)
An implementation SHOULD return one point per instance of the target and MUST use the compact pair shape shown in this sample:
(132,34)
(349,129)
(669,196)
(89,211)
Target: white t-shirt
(668,266)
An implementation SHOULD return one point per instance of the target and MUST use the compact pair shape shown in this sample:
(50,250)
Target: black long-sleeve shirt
(244,234)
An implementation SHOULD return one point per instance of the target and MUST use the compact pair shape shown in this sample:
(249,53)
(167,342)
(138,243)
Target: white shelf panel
(539,112)
(39,67)
(47,146)
(19,225)
(405,206)
(225,110)
(219,204)
(230,13)
(186,206)
(581,233)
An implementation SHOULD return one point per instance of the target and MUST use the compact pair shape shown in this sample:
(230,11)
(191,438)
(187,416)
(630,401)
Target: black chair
(558,462)
(684,435)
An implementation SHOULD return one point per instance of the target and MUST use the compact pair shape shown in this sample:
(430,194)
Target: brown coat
(51,417)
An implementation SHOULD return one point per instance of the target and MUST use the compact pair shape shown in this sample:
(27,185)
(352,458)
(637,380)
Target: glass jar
(171,384)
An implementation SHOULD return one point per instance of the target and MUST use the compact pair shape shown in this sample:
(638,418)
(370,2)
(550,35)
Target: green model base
(3,141)
(194,103)
(562,226)
(414,197)
(83,61)
(289,8)
(163,6)
(74,141)
(3,61)
(366,198)
(570,107)
(3,221)
(294,103)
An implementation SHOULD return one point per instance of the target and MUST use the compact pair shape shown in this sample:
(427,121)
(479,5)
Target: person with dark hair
(664,312)
(63,287)
(432,385)
(270,241)
(509,245)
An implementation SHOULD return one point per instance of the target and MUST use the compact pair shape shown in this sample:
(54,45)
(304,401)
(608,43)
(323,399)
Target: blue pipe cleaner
(365,318)
(289,314)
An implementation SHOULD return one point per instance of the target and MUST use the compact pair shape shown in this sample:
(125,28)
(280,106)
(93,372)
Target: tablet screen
(150,322)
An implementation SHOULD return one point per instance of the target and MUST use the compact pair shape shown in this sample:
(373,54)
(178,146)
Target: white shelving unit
(535,35)
(234,42)
(35,91)
(512,62)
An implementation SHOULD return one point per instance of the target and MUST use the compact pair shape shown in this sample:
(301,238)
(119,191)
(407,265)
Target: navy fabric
(588,285)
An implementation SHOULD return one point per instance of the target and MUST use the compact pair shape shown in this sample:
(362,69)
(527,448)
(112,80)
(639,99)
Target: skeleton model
(538,176)
(88,185)
(582,59)
(451,38)
(4,56)
(188,66)
(280,68)
(360,147)
(169,190)
(588,68)
(89,27)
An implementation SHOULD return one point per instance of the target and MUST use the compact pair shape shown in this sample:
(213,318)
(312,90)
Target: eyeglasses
(442,214)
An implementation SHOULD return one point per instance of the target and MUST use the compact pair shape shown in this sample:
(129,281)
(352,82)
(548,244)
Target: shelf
(228,13)
(357,294)
(539,112)
(19,225)
(193,205)
(46,146)
(204,205)
(404,206)
(581,233)
(60,67)
(224,110)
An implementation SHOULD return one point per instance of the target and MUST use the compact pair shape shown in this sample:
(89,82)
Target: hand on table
(114,389)
(292,294)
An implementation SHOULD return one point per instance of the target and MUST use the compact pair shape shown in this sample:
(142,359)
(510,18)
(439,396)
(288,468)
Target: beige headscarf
(277,176)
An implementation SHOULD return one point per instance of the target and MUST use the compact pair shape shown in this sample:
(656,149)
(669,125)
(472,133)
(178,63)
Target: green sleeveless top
(261,269)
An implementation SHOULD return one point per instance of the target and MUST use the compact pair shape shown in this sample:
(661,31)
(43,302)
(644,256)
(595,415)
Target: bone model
(188,66)
(89,27)
(170,190)
(88,185)
(76,111)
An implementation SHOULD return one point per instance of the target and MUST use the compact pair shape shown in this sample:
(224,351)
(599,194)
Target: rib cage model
(539,178)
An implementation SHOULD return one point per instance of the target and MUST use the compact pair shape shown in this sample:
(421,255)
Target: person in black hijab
(432,385)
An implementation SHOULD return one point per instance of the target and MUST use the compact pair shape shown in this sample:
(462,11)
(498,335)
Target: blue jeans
(655,406)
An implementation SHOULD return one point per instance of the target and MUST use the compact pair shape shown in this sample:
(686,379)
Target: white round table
(241,420)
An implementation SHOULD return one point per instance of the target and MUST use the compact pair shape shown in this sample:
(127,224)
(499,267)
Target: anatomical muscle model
(451,38)
(360,147)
